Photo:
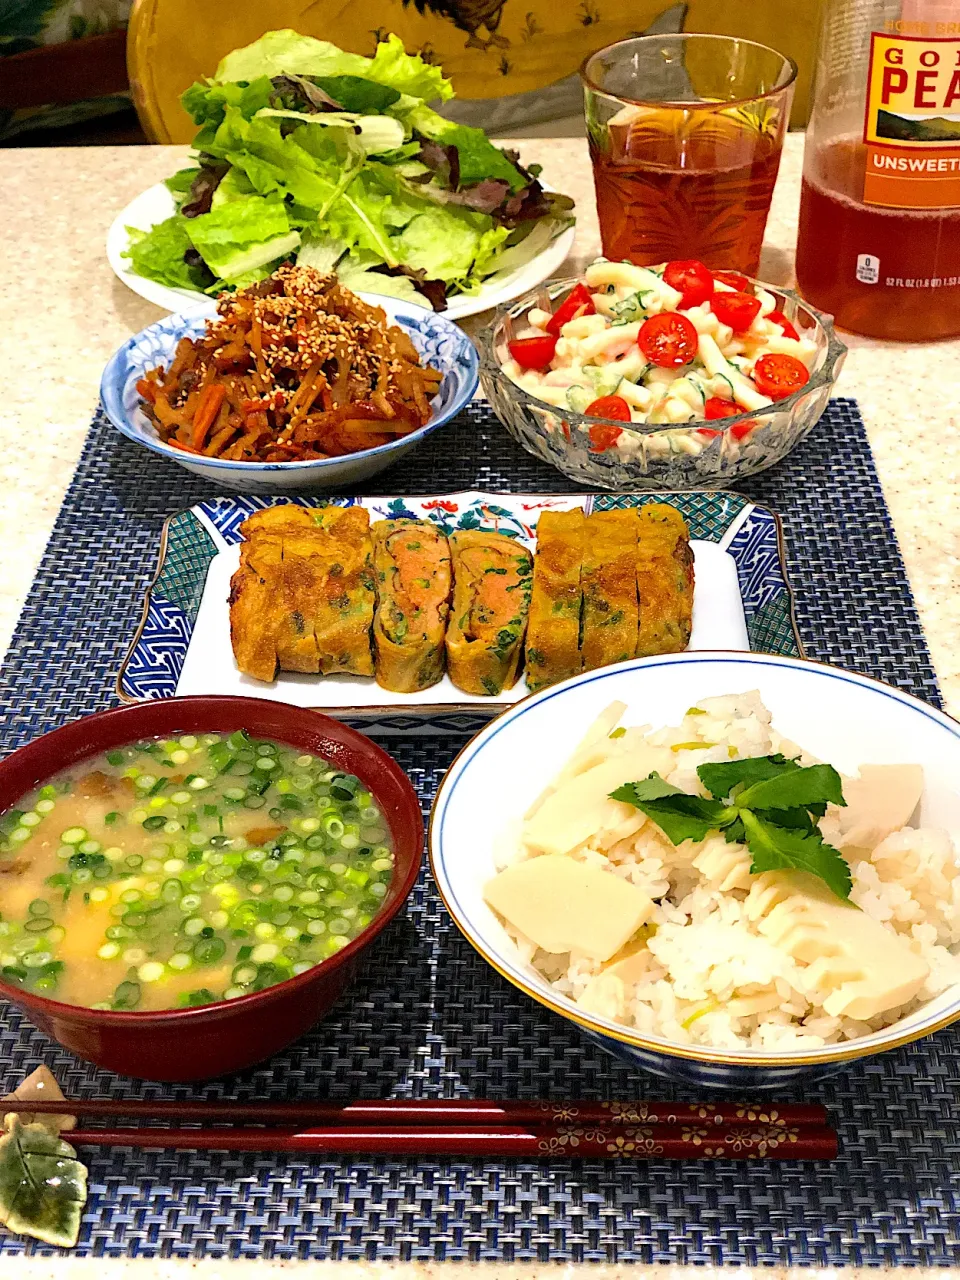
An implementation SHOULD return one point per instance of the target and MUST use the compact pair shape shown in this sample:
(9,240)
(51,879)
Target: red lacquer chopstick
(619,1142)
(433,1111)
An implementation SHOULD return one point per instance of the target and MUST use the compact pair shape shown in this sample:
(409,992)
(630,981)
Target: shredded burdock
(292,368)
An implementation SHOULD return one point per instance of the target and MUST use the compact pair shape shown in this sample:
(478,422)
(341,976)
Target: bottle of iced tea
(879,239)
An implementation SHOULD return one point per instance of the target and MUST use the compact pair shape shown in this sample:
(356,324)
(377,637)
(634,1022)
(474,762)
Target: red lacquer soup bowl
(195,1044)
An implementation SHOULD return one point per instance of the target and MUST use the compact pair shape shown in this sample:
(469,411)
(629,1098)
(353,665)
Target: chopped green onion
(127,995)
(209,950)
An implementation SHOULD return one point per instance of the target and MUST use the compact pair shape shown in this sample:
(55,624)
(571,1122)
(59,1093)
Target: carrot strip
(211,398)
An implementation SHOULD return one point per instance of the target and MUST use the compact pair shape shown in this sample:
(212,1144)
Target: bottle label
(912,127)
(868,268)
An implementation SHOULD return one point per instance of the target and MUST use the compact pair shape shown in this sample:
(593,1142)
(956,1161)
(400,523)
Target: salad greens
(303,149)
(768,803)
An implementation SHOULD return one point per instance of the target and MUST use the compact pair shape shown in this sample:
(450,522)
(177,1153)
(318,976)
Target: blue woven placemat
(428,1018)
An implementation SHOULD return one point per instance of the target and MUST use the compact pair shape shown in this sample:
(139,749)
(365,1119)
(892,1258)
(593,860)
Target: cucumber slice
(579,397)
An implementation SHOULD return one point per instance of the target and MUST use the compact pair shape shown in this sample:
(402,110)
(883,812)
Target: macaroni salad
(671,344)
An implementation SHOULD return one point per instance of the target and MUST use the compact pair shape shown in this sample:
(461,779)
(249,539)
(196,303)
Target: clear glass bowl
(695,455)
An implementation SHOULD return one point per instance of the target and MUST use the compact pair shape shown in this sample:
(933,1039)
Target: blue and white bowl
(439,341)
(840,717)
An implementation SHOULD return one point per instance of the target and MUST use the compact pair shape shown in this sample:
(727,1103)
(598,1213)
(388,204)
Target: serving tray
(742,598)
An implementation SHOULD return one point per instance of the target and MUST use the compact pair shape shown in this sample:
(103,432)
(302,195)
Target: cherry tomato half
(668,340)
(691,278)
(738,310)
(609,407)
(603,437)
(577,302)
(779,376)
(779,318)
(715,407)
(533,353)
(737,431)
(734,279)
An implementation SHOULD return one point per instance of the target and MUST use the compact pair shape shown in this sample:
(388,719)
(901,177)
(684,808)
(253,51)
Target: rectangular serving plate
(742,598)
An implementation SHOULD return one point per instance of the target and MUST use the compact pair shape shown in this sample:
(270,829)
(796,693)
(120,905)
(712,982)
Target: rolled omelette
(553,631)
(343,610)
(609,580)
(317,607)
(488,619)
(411,560)
(255,605)
(664,580)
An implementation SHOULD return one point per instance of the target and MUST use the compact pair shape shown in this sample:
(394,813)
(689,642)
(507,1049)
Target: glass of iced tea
(685,135)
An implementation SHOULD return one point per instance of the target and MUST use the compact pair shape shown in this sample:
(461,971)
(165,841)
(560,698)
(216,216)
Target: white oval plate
(156,203)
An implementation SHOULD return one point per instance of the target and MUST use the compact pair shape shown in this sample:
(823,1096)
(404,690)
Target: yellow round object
(488,48)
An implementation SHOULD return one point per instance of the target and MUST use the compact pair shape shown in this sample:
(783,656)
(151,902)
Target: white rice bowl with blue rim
(679,1005)
(709,975)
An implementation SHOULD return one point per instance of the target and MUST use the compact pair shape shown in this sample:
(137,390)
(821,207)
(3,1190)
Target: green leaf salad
(335,160)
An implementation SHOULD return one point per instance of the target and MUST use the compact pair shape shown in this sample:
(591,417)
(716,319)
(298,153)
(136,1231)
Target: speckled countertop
(62,313)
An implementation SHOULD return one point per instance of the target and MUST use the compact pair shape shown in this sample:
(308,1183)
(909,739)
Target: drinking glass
(685,134)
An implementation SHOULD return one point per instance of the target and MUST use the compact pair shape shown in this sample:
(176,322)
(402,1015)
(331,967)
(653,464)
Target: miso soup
(187,870)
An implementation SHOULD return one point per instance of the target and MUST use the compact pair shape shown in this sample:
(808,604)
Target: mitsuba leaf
(735,834)
(796,819)
(776,848)
(653,787)
(678,815)
(810,786)
(43,1186)
(720,779)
